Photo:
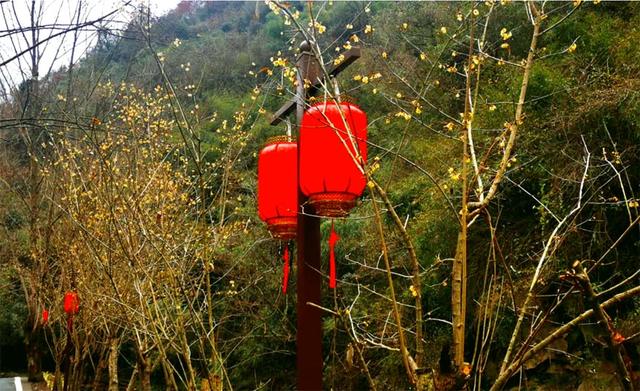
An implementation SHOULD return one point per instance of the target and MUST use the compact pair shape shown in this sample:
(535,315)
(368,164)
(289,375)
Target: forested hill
(220,40)
(496,244)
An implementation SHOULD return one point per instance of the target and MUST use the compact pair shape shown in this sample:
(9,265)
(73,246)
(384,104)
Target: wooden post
(309,281)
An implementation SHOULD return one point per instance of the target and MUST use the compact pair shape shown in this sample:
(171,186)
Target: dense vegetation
(503,190)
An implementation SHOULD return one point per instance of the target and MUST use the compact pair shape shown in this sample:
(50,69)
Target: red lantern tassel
(285,274)
(333,239)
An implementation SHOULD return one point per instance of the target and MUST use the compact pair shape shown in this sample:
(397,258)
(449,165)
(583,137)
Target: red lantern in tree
(278,192)
(71,303)
(278,187)
(45,316)
(333,152)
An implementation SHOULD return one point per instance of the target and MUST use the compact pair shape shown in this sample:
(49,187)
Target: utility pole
(309,282)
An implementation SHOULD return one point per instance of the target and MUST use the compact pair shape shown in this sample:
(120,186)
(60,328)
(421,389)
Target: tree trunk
(459,269)
(186,356)
(34,355)
(134,375)
(114,348)
(102,364)
(145,378)
(169,379)
(457,297)
(145,367)
(67,361)
(213,383)
(57,378)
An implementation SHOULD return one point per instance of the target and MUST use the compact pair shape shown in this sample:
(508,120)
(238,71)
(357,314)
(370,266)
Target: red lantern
(71,303)
(333,151)
(278,192)
(45,316)
(278,187)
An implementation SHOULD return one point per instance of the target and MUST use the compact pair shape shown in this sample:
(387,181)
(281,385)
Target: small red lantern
(278,192)
(45,316)
(71,303)
(278,187)
(333,151)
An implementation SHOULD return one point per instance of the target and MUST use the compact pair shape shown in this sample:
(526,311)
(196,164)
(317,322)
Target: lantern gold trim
(278,140)
(283,228)
(332,204)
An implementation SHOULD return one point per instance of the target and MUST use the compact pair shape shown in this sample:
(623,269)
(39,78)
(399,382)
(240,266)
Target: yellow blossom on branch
(279,62)
(319,27)
(402,114)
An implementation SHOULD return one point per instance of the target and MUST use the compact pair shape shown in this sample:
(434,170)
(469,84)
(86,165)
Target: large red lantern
(333,152)
(278,187)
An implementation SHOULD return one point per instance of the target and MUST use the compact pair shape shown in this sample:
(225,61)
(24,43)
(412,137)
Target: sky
(57,52)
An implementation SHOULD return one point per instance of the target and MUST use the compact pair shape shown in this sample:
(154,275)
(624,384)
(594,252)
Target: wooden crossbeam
(350,56)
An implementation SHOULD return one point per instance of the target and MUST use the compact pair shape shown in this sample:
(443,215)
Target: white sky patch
(51,17)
